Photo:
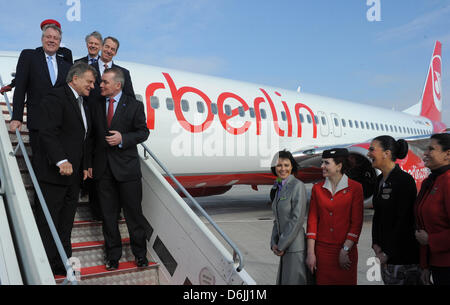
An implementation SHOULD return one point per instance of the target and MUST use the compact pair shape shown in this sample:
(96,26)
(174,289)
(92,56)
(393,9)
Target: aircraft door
(336,125)
(323,123)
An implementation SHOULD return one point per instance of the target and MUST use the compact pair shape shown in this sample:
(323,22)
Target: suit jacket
(83,59)
(127,88)
(63,52)
(433,215)
(33,81)
(289,214)
(334,218)
(129,120)
(62,136)
(393,224)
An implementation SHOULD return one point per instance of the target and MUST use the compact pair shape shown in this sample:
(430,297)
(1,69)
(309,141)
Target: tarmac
(245,215)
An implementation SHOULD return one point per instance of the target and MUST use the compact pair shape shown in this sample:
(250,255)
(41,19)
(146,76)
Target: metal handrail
(236,252)
(59,246)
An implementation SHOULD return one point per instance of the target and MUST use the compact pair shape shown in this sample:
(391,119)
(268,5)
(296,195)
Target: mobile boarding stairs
(181,250)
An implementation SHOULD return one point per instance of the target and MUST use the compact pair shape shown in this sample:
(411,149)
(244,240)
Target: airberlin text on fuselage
(177,94)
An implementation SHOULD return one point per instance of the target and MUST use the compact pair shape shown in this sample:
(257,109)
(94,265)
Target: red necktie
(110,111)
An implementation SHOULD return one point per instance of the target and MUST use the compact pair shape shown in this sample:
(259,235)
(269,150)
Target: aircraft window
(356,124)
(263,113)
(371,125)
(185,105)
(324,122)
(362,124)
(228,110)
(169,103)
(283,115)
(241,111)
(395,127)
(154,101)
(343,123)
(252,112)
(308,117)
(302,119)
(214,108)
(316,119)
(350,123)
(376,125)
(392,129)
(404,129)
(336,122)
(386,127)
(382,127)
(200,107)
(367,125)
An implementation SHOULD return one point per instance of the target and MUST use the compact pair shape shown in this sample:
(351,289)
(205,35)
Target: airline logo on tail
(431,98)
(437,62)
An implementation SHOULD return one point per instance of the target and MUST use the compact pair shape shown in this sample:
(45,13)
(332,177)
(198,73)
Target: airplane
(213,133)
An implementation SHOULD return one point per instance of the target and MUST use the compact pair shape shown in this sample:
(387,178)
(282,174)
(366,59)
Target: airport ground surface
(246,217)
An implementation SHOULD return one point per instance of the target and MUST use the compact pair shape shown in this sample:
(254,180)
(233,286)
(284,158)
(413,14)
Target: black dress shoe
(112,265)
(141,261)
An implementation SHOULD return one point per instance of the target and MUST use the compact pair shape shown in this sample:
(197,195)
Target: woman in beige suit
(289,209)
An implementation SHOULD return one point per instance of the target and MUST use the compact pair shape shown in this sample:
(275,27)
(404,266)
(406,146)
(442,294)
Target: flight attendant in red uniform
(433,212)
(334,223)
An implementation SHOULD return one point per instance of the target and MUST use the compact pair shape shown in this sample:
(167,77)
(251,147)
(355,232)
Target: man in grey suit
(289,209)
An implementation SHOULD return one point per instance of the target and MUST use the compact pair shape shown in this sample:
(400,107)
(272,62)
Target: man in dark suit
(94,43)
(109,50)
(62,52)
(119,124)
(61,158)
(37,72)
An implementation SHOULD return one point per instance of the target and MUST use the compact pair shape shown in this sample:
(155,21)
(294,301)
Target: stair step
(92,253)
(127,274)
(86,231)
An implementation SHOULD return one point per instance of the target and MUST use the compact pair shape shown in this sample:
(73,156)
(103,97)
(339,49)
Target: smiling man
(61,159)
(119,124)
(109,51)
(94,43)
(38,70)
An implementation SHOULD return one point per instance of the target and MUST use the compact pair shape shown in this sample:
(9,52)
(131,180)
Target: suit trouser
(62,203)
(112,195)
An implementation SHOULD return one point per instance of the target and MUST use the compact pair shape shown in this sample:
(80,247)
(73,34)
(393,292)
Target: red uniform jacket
(433,216)
(333,219)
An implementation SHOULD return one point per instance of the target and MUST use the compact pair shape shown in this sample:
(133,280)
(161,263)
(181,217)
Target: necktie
(83,114)
(110,111)
(51,69)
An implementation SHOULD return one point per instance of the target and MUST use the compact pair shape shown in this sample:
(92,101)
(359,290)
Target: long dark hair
(443,140)
(399,148)
(285,154)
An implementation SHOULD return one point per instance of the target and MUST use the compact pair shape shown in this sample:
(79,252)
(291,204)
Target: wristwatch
(346,249)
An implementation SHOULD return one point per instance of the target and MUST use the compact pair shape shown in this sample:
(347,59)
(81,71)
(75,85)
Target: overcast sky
(327,47)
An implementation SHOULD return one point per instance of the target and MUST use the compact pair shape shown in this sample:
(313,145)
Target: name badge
(385,196)
(283,198)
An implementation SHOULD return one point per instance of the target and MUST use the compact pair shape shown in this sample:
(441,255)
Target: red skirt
(329,272)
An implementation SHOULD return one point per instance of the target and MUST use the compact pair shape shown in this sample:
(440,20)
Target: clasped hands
(276,251)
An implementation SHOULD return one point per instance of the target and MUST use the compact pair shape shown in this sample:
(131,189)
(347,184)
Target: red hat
(50,21)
